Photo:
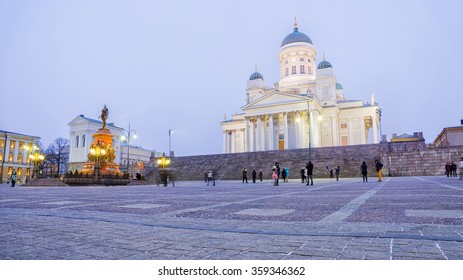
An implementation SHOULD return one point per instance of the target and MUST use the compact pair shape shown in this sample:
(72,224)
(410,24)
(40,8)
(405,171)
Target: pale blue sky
(182,65)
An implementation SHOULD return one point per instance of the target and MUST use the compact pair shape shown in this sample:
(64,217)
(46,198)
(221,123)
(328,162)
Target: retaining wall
(400,159)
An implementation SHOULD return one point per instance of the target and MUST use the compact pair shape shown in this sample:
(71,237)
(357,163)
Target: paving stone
(417,216)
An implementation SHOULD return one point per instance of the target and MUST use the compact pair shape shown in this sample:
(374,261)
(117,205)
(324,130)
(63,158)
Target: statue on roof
(104,115)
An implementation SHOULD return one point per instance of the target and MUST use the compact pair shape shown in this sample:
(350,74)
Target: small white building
(81,131)
(306,108)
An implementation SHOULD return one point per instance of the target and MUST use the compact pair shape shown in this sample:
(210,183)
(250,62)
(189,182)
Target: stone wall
(400,159)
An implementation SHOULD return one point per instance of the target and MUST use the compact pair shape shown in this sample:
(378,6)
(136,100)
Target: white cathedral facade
(306,108)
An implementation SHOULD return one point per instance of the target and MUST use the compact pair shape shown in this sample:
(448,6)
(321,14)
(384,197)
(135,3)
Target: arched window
(83,141)
(293,70)
(77,141)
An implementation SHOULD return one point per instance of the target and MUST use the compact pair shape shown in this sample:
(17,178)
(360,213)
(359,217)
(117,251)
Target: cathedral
(305,109)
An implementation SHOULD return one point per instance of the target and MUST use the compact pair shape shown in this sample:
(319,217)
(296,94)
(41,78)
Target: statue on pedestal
(104,115)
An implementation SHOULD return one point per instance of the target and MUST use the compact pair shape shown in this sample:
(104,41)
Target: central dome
(296,36)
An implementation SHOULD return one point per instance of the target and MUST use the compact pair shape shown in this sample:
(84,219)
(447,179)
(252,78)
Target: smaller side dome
(255,76)
(339,86)
(324,64)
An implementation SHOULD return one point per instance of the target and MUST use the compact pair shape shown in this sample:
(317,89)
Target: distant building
(450,137)
(15,155)
(81,130)
(307,105)
(417,136)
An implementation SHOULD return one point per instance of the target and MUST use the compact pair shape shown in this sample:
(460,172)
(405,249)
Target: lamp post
(127,139)
(97,152)
(170,141)
(163,162)
(36,157)
(379,112)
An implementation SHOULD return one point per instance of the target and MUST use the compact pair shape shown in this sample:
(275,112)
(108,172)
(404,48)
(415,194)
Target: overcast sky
(182,65)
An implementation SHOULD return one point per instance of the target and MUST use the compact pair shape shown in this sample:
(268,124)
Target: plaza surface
(399,218)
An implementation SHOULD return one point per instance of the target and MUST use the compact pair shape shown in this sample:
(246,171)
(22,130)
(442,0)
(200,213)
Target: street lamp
(170,141)
(97,152)
(379,112)
(36,157)
(163,162)
(127,139)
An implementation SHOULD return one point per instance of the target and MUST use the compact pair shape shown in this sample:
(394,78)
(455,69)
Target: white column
(270,132)
(224,141)
(334,130)
(258,135)
(362,130)
(285,127)
(375,130)
(243,141)
(298,130)
(247,140)
(311,130)
(233,141)
(252,146)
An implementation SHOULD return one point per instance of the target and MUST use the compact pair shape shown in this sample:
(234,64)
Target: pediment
(78,121)
(276,99)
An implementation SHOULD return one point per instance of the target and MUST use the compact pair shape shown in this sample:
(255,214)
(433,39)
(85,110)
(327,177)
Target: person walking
(309,167)
(448,169)
(283,175)
(210,178)
(379,170)
(275,177)
(454,169)
(277,165)
(303,175)
(261,175)
(245,175)
(254,175)
(337,171)
(364,169)
(13,178)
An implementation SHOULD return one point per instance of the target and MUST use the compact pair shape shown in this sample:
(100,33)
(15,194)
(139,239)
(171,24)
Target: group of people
(307,173)
(253,175)
(451,169)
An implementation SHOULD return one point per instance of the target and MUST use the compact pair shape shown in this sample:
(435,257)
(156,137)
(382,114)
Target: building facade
(15,149)
(450,137)
(306,108)
(81,130)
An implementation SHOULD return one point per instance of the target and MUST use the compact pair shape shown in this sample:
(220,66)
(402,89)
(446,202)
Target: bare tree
(56,152)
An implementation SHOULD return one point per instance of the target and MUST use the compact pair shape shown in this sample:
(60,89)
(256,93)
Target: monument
(100,167)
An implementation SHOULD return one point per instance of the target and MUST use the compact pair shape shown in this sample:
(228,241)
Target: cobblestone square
(399,218)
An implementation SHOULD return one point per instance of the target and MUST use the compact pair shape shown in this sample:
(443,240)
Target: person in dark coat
(261,175)
(13,178)
(337,171)
(278,169)
(448,169)
(283,174)
(309,167)
(454,169)
(245,175)
(364,169)
(254,175)
(303,179)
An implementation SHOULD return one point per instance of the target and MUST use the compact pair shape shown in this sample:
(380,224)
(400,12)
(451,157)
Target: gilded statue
(104,115)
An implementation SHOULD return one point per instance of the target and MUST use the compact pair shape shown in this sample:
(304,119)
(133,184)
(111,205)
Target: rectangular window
(309,70)
(11,157)
(1,156)
(301,59)
(344,125)
(2,143)
(28,171)
(302,69)
(21,145)
(286,72)
(10,170)
(12,144)
(293,70)
(20,171)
